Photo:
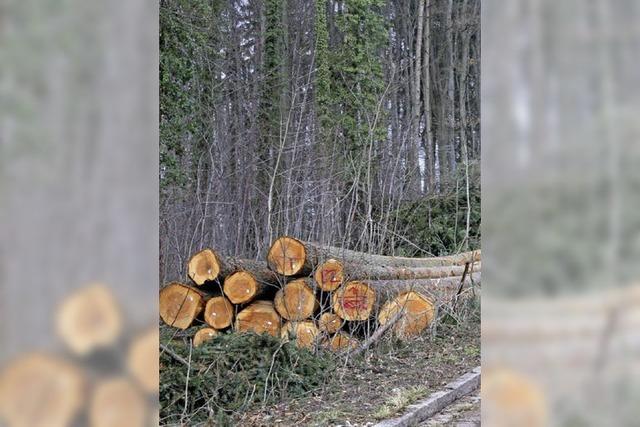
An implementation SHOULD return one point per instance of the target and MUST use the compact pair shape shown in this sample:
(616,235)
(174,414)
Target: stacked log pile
(314,294)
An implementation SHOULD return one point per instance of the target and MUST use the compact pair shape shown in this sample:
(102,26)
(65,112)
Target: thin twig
(174,355)
(377,334)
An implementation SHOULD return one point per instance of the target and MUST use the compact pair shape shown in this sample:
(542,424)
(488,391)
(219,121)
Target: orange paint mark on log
(329,274)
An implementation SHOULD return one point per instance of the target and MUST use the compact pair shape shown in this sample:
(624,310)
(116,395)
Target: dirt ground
(381,384)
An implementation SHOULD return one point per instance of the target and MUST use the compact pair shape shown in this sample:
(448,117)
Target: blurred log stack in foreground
(317,295)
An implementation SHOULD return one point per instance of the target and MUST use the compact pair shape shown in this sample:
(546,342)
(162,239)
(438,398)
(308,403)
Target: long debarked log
(332,273)
(439,290)
(180,305)
(289,256)
(207,265)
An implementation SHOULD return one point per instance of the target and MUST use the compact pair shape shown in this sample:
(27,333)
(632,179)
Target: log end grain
(179,305)
(329,275)
(330,323)
(341,342)
(204,266)
(296,300)
(203,335)
(354,301)
(241,287)
(259,317)
(287,256)
(418,313)
(304,333)
(218,313)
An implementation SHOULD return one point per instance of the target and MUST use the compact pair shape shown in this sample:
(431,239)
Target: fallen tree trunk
(218,313)
(207,265)
(443,289)
(332,273)
(244,286)
(259,317)
(296,300)
(303,333)
(180,305)
(289,256)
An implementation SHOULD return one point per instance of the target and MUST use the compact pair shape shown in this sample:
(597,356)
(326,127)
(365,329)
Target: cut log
(354,301)
(288,256)
(341,342)
(437,290)
(40,390)
(330,323)
(259,317)
(89,319)
(374,272)
(218,313)
(208,265)
(203,335)
(244,286)
(309,254)
(417,313)
(143,360)
(329,275)
(304,333)
(296,300)
(117,402)
(180,305)
(204,266)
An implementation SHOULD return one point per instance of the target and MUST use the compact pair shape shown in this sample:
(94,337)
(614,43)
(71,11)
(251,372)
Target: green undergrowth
(233,372)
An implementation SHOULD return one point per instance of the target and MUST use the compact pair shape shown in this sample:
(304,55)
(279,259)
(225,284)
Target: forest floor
(382,384)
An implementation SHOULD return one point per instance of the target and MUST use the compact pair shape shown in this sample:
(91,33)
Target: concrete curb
(436,401)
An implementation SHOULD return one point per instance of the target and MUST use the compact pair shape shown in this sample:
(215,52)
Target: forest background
(354,123)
